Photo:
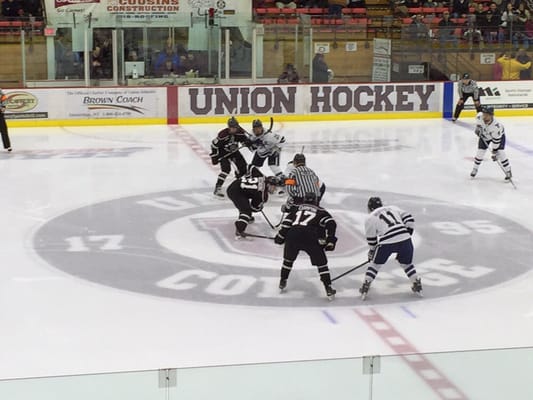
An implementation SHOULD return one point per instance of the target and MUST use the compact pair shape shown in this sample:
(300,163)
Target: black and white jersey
(388,224)
(492,133)
(313,219)
(468,88)
(302,180)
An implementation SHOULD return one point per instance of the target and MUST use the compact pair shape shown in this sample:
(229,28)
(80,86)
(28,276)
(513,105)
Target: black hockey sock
(286,269)
(458,109)
(221,179)
(324,275)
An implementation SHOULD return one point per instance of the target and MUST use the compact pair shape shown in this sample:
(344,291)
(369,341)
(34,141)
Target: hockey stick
(499,163)
(267,220)
(259,236)
(232,153)
(350,270)
(280,220)
(271,125)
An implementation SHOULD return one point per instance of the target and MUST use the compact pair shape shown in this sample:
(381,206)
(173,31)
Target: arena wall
(210,104)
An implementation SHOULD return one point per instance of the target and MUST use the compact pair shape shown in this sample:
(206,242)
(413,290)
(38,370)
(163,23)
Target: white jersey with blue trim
(268,143)
(491,133)
(388,224)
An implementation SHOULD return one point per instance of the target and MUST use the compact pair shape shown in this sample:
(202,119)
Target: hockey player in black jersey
(309,228)
(225,150)
(249,193)
(466,88)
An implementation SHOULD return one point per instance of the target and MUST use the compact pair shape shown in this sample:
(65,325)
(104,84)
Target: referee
(466,88)
(300,180)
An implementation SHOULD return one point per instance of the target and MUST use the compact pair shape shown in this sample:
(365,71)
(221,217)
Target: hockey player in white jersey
(491,135)
(388,230)
(267,146)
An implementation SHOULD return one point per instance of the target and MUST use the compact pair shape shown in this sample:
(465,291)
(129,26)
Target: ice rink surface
(116,257)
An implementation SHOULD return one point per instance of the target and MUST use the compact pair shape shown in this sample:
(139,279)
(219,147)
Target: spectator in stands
(167,60)
(479,12)
(511,67)
(523,58)
(107,57)
(418,30)
(460,8)
(472,32)
(447,29)
(335,7)
(11,8)
(320,69)
(431,4)
(528,30)
(188,64)
(509,17)
(60,49)
(519,34)
(286,4)
(289,75)
(97,71)
(356,4)
(33,8)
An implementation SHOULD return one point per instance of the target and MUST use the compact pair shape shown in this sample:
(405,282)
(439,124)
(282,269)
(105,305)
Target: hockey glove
(279,239)
(331,242)
(478,131)
(494,155)
(371,253)
(410,230)
(214,160)
(232,147)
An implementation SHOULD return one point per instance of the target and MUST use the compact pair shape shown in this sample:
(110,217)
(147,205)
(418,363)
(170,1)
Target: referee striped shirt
(468,88)
(302,180)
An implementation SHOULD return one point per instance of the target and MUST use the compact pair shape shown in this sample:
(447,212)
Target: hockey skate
(417,287)
(282,285)
(473,173)
(330,292)
(508,176)
(240,235)
(9,149)
(218,192)
(364,289)
(454,119)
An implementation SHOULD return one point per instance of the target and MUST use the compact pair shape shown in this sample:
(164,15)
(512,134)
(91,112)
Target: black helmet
(487,110)
(299,159)
(373,203)
(257,123)
(310,198)
(466,75)
(233,123)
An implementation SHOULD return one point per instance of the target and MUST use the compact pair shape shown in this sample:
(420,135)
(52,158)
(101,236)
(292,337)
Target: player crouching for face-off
(249,193)
(225,151)
(491,134)
(267,146)
(304,229)
(388,230)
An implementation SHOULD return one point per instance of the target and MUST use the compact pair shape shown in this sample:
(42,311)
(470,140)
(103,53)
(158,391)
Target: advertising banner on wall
(86,104)
(308,99)
(502,95)
(104,12)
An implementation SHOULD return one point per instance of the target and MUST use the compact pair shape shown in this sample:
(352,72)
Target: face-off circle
(180,244)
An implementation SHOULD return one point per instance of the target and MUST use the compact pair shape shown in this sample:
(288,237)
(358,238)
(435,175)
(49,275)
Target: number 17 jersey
(388,224)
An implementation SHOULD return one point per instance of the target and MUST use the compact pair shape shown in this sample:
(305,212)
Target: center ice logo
(179,244)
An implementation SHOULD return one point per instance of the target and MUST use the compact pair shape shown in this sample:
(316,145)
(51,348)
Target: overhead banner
(104,12)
